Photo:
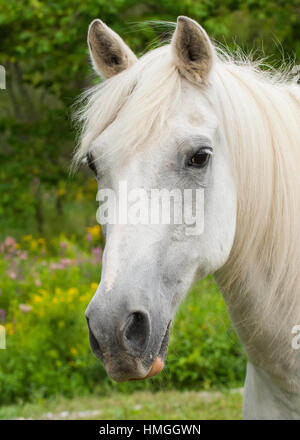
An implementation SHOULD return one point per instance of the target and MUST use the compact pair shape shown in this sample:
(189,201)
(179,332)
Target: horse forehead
(194,113)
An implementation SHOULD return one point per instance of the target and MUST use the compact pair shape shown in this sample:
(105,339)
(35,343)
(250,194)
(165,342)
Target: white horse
(187,116)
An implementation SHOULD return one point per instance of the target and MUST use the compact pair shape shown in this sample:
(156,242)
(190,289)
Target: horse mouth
(130,363)
(159,361)
(163,351)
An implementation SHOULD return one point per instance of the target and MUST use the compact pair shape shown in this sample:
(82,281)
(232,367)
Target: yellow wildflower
(72,291)
(9,328)
(95,231)
(61,192)
(27,237)
(36,299)
(33,245)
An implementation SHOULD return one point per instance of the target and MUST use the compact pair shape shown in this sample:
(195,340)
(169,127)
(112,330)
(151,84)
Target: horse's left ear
(192,49)
(109,53)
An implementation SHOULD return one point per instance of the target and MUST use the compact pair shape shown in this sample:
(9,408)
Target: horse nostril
(136,331)
(94,343)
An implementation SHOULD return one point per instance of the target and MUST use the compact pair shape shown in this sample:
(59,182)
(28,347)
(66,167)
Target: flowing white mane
(259,115)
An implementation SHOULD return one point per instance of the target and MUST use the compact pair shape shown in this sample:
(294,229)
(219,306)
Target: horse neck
(264,330)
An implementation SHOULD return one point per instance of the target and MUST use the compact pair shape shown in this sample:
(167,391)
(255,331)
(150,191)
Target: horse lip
(163,350)
(162,353)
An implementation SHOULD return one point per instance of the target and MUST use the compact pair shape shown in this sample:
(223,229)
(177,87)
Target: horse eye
(201,158)
(91,163)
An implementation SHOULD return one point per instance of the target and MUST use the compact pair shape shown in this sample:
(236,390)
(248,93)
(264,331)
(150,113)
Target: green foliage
(204,346)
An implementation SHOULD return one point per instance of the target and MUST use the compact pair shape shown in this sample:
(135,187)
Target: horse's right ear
(109,53)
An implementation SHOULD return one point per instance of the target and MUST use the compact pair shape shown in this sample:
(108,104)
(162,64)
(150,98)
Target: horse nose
(132,334)
(135,334)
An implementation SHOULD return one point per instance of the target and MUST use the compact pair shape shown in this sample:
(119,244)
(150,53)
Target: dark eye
(91,163)
(201,158)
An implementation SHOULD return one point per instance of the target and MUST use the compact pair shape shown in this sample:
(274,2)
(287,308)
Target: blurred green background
(51,246)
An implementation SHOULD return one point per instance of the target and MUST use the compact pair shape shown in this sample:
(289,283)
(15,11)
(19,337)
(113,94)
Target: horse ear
(108,52)
(192,50)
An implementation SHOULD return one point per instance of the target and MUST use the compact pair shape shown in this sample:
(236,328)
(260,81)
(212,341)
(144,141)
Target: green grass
(167,405)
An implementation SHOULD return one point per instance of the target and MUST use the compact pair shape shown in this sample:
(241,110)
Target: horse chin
(133,368)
